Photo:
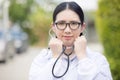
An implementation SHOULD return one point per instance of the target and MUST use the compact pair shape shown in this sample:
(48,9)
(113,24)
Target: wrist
(55,55)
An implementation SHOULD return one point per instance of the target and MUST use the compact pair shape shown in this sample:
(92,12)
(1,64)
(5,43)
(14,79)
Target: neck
(69,50)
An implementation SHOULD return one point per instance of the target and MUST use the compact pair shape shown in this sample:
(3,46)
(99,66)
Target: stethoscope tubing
(63,52)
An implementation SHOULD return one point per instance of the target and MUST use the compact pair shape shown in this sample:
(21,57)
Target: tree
(41,22)
(108,27)
(18,11)
(41,19)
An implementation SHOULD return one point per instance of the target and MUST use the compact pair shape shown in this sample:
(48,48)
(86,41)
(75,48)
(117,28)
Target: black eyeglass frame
(69,24)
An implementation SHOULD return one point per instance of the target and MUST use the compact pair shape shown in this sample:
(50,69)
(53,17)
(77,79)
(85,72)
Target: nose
(67,29)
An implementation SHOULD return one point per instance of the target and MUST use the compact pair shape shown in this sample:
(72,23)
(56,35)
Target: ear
(53,27)
(83,26)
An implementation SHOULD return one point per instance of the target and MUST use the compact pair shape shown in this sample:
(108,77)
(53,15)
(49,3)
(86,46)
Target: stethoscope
(68,61)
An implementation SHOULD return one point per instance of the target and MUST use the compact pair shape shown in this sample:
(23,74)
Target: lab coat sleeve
(94,69)
(41,67)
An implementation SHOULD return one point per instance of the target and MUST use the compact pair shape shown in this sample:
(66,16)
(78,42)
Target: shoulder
(45,54)
(97,57)
(39,63)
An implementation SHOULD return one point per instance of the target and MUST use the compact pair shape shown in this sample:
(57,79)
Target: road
(18,67)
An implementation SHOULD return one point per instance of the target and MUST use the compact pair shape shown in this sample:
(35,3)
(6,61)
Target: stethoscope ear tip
(48,47)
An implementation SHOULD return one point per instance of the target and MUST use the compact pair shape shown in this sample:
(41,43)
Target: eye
(74,23)
(61,23)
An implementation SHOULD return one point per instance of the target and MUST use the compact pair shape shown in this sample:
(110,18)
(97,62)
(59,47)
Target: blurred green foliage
(18,12)
(108,27)
(41,23)
(32,19)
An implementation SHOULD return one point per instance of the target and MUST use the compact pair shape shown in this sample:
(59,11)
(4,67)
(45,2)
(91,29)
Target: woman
(68,57)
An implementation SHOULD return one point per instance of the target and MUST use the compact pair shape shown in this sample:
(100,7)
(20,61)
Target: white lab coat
(94,67)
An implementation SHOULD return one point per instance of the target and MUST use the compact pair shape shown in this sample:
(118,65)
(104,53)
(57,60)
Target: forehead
(67,15)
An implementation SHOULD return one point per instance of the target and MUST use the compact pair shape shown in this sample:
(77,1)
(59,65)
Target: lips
(67,37)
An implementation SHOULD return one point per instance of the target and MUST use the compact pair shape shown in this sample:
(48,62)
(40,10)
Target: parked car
(21,42)
(7,49)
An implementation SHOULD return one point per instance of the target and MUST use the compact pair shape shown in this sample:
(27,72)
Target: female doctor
(68,57)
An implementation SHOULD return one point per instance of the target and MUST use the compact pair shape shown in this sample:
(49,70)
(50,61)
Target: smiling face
(67,35)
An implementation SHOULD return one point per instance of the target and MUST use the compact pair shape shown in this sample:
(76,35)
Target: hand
(56,46)
(80,47)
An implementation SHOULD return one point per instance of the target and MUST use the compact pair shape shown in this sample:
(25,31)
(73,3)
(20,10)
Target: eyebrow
(60,21)
(66,21)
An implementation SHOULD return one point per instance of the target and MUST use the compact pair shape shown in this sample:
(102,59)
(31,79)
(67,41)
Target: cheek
(77,34)
(59,34)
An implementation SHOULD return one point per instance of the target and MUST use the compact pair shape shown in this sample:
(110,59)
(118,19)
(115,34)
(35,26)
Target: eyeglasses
(72,25)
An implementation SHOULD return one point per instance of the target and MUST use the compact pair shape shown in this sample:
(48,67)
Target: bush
(108,28)
(41,22)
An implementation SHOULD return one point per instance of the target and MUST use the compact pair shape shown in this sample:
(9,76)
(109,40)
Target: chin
(68,43)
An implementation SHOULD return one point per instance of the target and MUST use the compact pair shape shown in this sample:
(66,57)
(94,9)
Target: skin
(68,37)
